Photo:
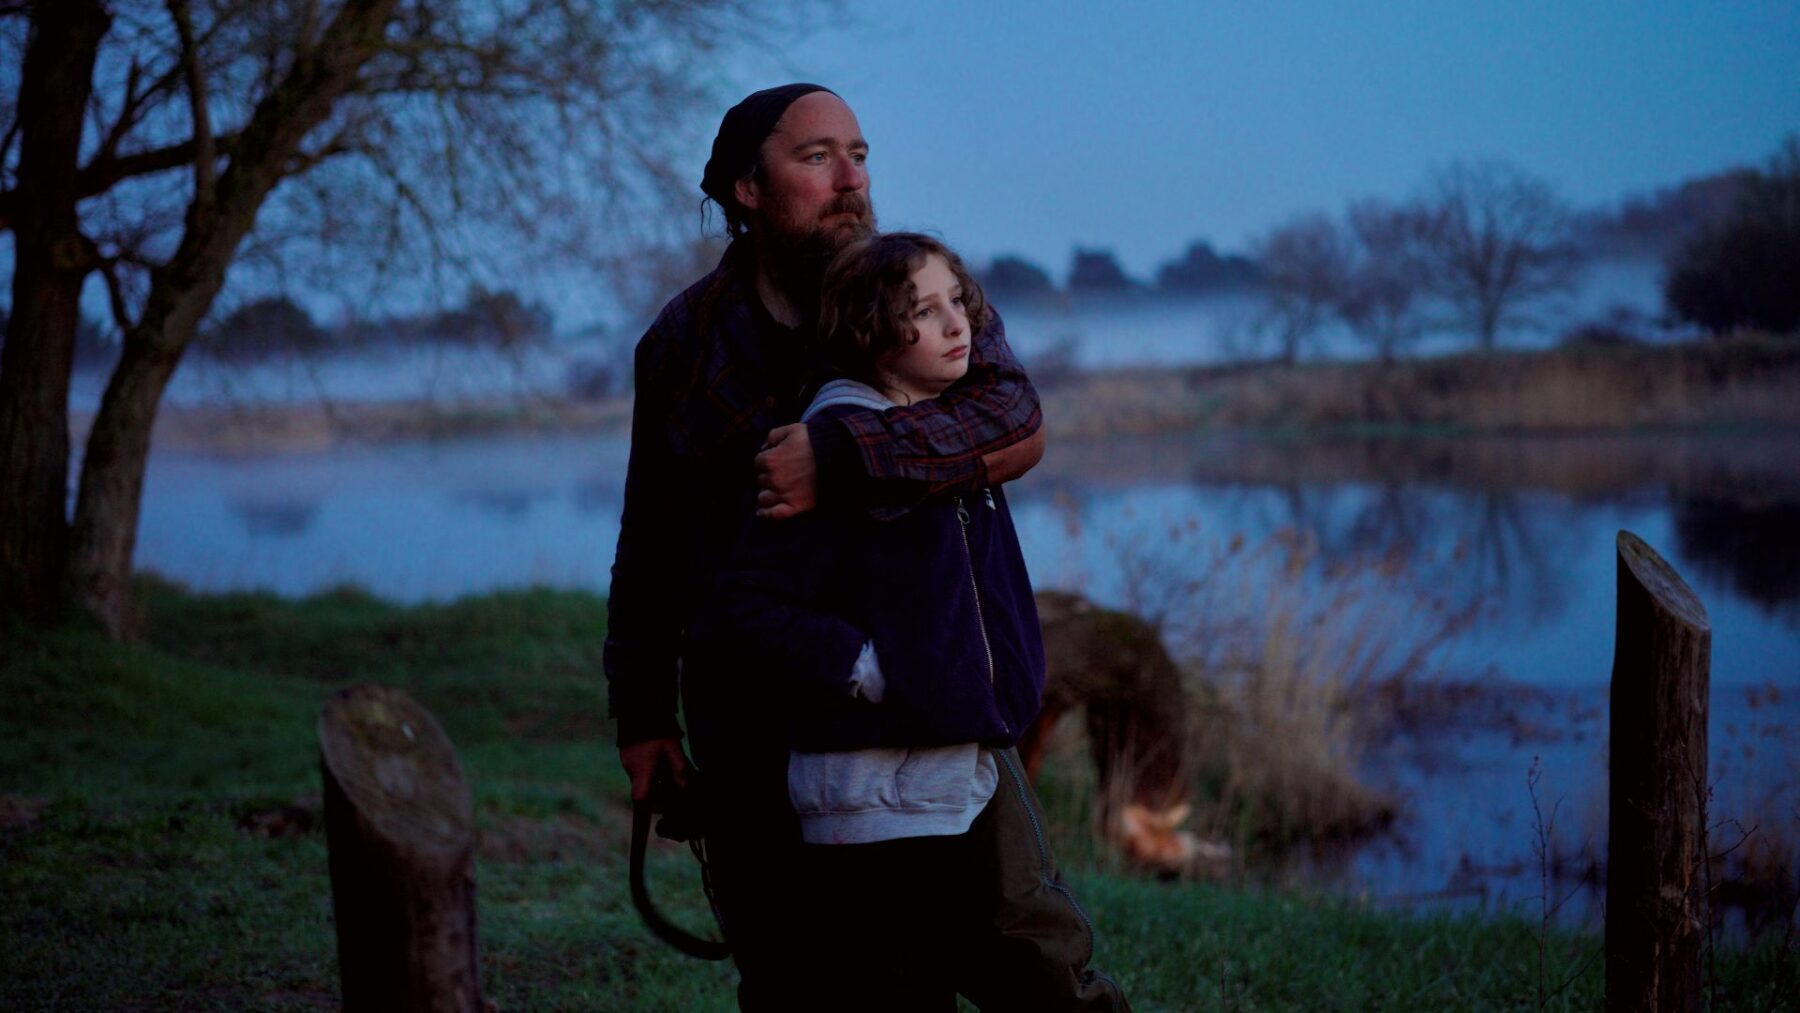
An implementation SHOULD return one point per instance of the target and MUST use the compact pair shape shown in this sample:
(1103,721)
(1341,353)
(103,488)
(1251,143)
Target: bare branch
(205,155)
(139,102)
(128,110)
(305,161)
(12,134)
(308,35)
(100,175)
(115,294)
(132,109)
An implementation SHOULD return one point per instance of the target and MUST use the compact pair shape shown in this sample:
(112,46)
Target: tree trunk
(1656,836)
(51,260)
(221,214)
(399,829)
(112,484)
(1489,325)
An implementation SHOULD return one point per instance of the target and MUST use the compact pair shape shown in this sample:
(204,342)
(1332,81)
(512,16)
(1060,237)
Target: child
(907,655)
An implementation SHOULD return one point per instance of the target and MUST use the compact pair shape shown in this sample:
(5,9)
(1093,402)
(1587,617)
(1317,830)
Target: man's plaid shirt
(714,374)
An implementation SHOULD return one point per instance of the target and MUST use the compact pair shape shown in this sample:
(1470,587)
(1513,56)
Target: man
(718,374)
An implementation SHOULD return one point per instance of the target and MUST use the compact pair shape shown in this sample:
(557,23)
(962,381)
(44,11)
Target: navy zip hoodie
(943,594)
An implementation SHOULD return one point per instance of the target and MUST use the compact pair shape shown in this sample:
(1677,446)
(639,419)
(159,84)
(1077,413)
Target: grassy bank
(1752,382)
(160,848)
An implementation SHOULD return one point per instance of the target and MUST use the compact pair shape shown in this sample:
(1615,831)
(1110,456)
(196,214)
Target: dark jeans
(904,924)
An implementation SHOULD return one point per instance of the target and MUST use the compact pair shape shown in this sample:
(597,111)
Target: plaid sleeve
(935,447)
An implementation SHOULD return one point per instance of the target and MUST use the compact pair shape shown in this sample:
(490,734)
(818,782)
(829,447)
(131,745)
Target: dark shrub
(1745,272)
(1097,271)
(1017,277)
(261,329)
(1203,269)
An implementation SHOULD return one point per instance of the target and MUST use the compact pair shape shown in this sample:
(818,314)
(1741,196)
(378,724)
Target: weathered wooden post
(1656,840)
(400,830)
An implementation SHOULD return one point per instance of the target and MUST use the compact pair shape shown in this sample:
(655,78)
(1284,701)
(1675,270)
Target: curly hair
(865,306)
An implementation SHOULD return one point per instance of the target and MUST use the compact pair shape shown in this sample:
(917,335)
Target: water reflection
(274,518)
(1501,515)
(1498,549)
(600,493)
(506,504)
(1748,545)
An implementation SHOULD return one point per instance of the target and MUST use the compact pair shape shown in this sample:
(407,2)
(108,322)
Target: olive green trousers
(908,924)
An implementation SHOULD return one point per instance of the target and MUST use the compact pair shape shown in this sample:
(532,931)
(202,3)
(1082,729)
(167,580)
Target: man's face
(812,197)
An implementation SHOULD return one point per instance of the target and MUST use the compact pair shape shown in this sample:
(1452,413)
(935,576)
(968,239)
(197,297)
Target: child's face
(941,355)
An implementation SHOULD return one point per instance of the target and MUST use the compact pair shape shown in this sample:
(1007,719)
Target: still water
(1483,561)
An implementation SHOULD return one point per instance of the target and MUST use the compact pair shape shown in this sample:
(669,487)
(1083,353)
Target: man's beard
(796,258)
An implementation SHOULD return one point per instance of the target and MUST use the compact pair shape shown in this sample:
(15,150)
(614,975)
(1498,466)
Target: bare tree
(1383,291)
(1499,241)
(1305,264)
(380,142)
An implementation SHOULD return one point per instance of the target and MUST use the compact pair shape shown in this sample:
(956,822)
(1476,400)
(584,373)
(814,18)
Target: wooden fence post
(1656,840)
(399,827)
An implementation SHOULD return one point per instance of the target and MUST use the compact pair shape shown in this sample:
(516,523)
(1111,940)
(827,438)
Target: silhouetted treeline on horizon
(1649,225)
(276,326)
(1474,252)
(1480,251)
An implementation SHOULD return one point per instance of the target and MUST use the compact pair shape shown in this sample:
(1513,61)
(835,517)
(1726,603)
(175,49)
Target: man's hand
(1012,462)
(787,478)
(643,761)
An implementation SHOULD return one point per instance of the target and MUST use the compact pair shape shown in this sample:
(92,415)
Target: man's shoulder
(677,324)
(698,310)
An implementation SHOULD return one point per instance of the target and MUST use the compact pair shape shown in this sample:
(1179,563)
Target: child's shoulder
(841,397)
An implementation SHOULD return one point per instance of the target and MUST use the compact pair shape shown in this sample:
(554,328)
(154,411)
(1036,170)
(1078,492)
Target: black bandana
(741,134)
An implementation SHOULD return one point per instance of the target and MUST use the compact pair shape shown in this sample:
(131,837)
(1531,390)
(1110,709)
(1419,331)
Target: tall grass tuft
(1300,656)
(1290,662)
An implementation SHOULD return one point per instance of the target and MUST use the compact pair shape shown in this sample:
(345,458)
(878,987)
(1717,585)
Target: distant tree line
(1479,251)
(1472,252)
(1200,270)
(276,326)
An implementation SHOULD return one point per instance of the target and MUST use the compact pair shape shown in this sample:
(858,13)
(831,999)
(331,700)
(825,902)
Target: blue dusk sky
(1139,126)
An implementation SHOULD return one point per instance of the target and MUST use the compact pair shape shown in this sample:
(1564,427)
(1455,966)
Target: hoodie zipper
(962,515)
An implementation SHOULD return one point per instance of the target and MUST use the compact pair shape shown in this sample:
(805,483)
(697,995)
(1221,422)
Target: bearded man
(719,374)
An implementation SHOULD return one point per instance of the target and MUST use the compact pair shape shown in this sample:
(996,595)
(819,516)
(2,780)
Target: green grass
(141,883)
